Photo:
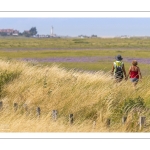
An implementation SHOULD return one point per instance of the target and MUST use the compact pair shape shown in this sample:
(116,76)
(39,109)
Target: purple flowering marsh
(69,59)
(85,59)
(140,60)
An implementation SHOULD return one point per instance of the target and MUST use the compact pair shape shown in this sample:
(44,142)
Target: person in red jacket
(134,73)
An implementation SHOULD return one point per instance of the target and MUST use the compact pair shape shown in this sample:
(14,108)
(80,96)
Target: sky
(75,26)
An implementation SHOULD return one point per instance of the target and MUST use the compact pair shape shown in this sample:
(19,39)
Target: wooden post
(54,114)
(15,106)
(108,122)
(1,105)
(94,124)
(71,118)
(25,107)
(124,119)
(142,122)
(38,111)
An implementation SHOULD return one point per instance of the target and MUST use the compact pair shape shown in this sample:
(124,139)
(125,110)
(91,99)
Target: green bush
(133,104)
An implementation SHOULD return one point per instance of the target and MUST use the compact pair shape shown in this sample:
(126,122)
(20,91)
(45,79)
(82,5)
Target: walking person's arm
(124,71)
(129,73)
(113,68)
(139,73)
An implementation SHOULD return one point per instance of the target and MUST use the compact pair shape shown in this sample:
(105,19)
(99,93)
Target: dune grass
(92,97)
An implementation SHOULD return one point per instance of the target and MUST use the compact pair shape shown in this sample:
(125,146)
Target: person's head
(118,58)
(134,63)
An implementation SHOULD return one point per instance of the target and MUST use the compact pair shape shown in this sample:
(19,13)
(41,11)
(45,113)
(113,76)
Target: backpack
(118,72)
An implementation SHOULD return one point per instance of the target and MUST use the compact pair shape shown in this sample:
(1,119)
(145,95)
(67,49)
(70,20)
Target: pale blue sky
(84,26)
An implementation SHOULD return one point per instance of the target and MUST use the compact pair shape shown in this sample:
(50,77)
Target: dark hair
(134,62)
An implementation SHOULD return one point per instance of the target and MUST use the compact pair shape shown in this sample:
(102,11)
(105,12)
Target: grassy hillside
(92,97)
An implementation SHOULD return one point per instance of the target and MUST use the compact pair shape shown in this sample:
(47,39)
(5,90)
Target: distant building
(43,36)
(15,32)
(26,31)
(94,36)
(125,36)
(9,31)
(83,36)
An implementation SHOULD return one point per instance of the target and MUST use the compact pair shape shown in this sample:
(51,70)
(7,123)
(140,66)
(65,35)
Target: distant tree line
(31,32)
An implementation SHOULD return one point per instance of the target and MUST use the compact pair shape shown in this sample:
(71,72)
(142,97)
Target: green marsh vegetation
(133,48)
(74,43)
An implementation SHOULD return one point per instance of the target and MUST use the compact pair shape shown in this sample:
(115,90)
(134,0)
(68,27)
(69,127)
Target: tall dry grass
(92,97)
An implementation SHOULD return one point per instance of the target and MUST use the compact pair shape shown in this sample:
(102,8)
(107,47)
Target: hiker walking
(118,69)
(134,73)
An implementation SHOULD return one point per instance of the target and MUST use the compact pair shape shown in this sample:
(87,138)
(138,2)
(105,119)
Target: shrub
(136,104)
